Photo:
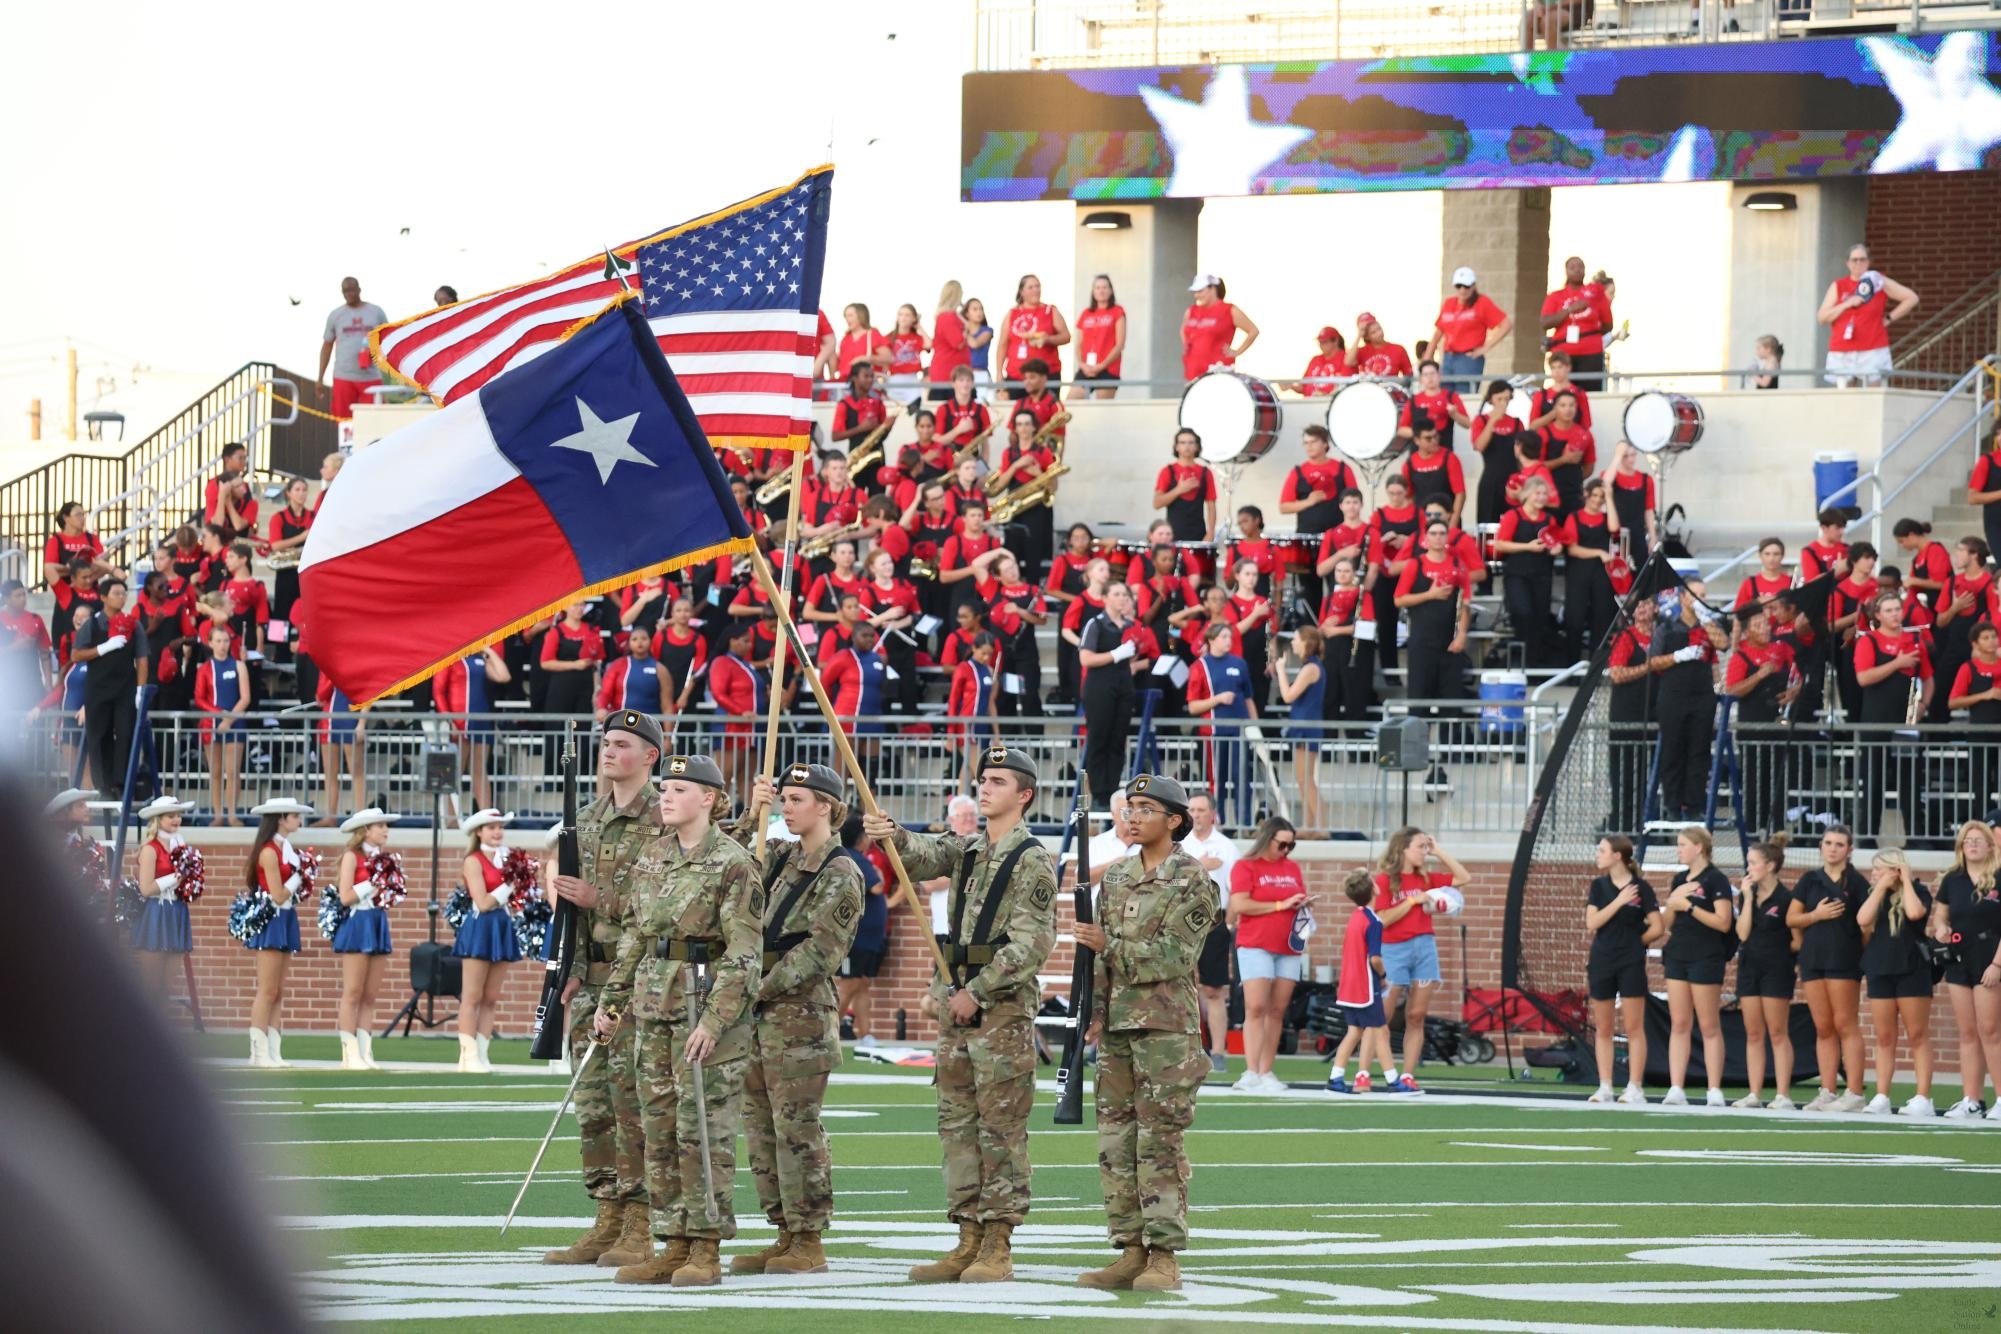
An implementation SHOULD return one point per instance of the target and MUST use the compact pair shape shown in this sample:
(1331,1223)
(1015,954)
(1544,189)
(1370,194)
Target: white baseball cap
(1201,281)
(1464,277)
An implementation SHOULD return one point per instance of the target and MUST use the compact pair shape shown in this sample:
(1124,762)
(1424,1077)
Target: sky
(185,194)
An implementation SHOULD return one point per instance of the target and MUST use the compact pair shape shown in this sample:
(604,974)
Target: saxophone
(995,485)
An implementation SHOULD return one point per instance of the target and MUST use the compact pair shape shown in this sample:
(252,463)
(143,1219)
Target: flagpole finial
(621,269)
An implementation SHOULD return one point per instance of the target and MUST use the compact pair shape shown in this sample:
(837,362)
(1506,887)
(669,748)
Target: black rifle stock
(550,1030)
(1070,1075)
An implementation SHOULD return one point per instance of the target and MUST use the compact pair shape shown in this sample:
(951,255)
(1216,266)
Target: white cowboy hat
(365,817)
(69,796)
(480,819)
(282,806)
(164,805)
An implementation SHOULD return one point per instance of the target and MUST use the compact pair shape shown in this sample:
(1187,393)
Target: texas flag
(578,473)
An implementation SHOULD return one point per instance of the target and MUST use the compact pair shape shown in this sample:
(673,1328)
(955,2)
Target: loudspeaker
(434,969)
(441,772)
(1403,745)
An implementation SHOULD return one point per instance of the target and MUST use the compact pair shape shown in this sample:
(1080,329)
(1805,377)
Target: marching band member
(1432,589)
(969,555)
(1961,605)
(1686,642)
(739,691)
(1393,544)
(1930,564)
(1765,975)
(641,606)
(1251,613)
(1529,538)
(1210,328)
(1977,689)
(1014,609)
(1542,403)
(1070,581)
(1166,601)
(823,595)
(1567,447)
(1139,568)
(1252,545)
(964,492)
(1759,589)
(1186,490)
(222,690)
(962,418)
(486,941)
(572,648)
(363,938)
(1891,663)
(1350,649)
(1347,540)
(1763,679)
(1983,488)
(1899,976)
(249,605)
(972,698)
(857,677)
(892,608)
(1432,472)
(1024,460)
(276,870)
(1824,906)
(1967,913)
(1462,546)
(1112,655)
(1828,553)
(1698,913)
(1623,918)
(1632,711)
(1312,494)
(682,649)
(1494,440)
(1219,687)
(1847,617)
(1434,402)
(1633,500)
(1589,600)
(829,503)
(1033,331)
(162,930)
(290,525)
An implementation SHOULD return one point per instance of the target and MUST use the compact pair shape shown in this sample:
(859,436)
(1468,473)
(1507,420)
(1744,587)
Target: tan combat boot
(996,1262)
(1120,1273)
(805,1256)
(753,1262)
(1163,1272)
(660,1268)
(635,1239)
(587,1248)
(948,1269)
(703,1269)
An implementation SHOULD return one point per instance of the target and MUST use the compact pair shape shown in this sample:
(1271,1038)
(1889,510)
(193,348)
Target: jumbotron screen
(1750,111)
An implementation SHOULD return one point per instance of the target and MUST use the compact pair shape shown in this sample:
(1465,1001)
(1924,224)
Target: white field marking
(545,1108)
(1527,1226)
(1527,1148)
(1218,1208)
(1984,1171)
(365,1143)
(1800,1158)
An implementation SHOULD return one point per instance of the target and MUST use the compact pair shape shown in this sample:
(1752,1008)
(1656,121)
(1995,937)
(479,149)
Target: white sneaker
(1994,1112)
(1675,1098)
(1603,1096)
(865,1042)
(1966,1109)
(1749,1102)
(1849,1102)
(1715,1099)
(1821,1102)
(1879,1105)
(1782,1104)
(1249,1082)
(1920,1106)
(1634,1096)
(1271,1083)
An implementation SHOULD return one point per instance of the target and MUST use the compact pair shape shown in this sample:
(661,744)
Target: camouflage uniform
(797,1041)
(1150,1054)
(609,840)
(986,1073)
(709,895)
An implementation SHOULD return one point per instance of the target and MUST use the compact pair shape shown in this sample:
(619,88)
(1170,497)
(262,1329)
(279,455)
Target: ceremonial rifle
(561,950)
(1070,1075)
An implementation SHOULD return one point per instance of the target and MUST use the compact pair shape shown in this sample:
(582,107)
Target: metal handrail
(1975,300)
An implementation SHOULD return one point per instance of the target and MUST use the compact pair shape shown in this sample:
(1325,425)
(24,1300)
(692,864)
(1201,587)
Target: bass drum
(1660,422)
(1362,417)
(1236,416)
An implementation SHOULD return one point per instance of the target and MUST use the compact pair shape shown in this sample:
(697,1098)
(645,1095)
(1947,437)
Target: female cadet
(362,939)
(688,969)
(1624,918)
(1698,914)
(1900,976)
(277,869)
(1765,975)
(812,908)
(1155,910)
(1825,901)
(486,941)
(162,929)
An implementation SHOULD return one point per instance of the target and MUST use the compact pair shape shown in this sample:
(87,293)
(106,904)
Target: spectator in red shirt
(1210,328)
(1375,356)
(71,542)
(906,346)
(825,352)
(1101,343)
(1034,330)
(1267,890)
(1330,364)
(948,342)
(571,651)
(1405,901)
(1575,318)
(1858,314)
(1469,325)
(860,344)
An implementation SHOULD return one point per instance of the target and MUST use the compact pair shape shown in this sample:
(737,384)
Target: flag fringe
(734,546)
(796,443)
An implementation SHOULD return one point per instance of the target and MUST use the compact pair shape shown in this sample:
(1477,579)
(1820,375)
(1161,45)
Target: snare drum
(1238,417)
(1363,416)
(1299,551)
(1659,421)
(1489,534)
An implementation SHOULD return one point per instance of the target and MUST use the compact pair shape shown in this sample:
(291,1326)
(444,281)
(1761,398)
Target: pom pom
(188,864)
(87,862)
(250,913)
(332,911)
(523,875)
(127,904)
(457,908)
(309,871)
(531,925)
(385,872)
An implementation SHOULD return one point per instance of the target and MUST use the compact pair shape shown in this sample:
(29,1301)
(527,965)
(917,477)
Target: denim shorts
(1409,962)
(1256,964)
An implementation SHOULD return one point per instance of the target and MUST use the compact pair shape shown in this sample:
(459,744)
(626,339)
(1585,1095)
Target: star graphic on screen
(608,443)
(1218,148)
(1951,113)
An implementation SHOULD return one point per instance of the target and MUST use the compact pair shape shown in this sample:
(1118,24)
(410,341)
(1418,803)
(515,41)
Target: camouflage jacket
(711,893)
(609,839)
(1027,918)
(826,916)
(1155,922)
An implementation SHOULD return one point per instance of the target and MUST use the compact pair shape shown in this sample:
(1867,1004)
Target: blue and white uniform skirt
(489,936)
(366,931)
(163,928)
(281,934)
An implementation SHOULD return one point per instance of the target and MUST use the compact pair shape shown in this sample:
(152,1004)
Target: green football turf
(1481,1210)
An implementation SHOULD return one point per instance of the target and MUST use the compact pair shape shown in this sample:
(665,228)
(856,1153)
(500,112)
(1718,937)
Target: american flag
(734,298)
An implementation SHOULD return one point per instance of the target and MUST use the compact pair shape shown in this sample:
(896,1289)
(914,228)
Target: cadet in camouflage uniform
(813,903)
(1155,909)
(1003,925)
(610,833)
(697,905)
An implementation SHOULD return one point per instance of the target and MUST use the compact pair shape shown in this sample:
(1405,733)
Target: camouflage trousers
(667,1110)
(1145,1102)
(986,1086)
(607,1108)
(792,1053)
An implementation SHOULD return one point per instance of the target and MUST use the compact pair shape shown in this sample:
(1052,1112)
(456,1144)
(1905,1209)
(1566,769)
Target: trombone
(781,485)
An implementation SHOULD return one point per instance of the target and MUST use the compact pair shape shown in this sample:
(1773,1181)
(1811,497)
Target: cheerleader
(1977,689)
(1589,600)
(1623,918)
(1699,917)
(1765,952)
(1304,693)
(486,941)
(222,690)
(162,930)
(1966,922)
(362,940)
(1529,538)
(276,871)
(1348,636)
(1494,432)
(1900,977)
(1825,901)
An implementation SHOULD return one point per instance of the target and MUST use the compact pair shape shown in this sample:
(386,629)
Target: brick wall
(226,975)
(1934,232)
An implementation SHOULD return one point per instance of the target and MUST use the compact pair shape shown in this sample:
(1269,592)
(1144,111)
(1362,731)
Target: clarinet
(550,1031)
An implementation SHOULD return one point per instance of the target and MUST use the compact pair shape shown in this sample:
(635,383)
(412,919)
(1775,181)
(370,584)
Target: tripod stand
(434,971)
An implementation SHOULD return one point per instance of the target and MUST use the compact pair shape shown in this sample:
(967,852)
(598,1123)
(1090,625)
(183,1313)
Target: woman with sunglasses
(1267,890)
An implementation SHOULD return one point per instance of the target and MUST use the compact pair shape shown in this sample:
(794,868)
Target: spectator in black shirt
(1825,901)
(1699,917)
(1765,975)
(1623,917)
(1900,977)
(1966,921)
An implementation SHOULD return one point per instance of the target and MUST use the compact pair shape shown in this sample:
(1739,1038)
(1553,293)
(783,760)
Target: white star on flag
(608,443)
(1951,113)
(1218,148)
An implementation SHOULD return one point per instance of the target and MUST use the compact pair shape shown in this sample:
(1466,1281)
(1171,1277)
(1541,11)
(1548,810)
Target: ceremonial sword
(564,1106)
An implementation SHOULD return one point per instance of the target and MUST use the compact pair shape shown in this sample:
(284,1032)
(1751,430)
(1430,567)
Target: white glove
(168,883)
(292,883)
(1689,654)
(112,645)
(1125,652)
(364,893)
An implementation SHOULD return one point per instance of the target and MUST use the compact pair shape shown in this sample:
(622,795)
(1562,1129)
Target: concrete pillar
(1503,235)
(1150,262)
(1781,262)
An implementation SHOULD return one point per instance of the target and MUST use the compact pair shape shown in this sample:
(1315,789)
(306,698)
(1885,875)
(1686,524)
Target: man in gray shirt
(344,343)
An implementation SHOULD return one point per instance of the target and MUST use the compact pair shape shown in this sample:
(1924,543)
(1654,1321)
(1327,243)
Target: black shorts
(1096,377)
(1853,974)
(1612,979)
(1967,973)
(1765,978)
(1696,972)
(1901,986)
(863,963)
(1213,968)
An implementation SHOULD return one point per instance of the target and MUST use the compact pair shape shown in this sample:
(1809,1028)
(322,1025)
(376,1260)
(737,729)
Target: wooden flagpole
(848,758)
(780,599)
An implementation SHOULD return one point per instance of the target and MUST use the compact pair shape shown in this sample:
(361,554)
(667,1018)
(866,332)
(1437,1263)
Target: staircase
(138,498)
(1958,334)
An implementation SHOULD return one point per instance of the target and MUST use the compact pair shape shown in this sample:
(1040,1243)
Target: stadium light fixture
(1108,222)
(1772,201)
